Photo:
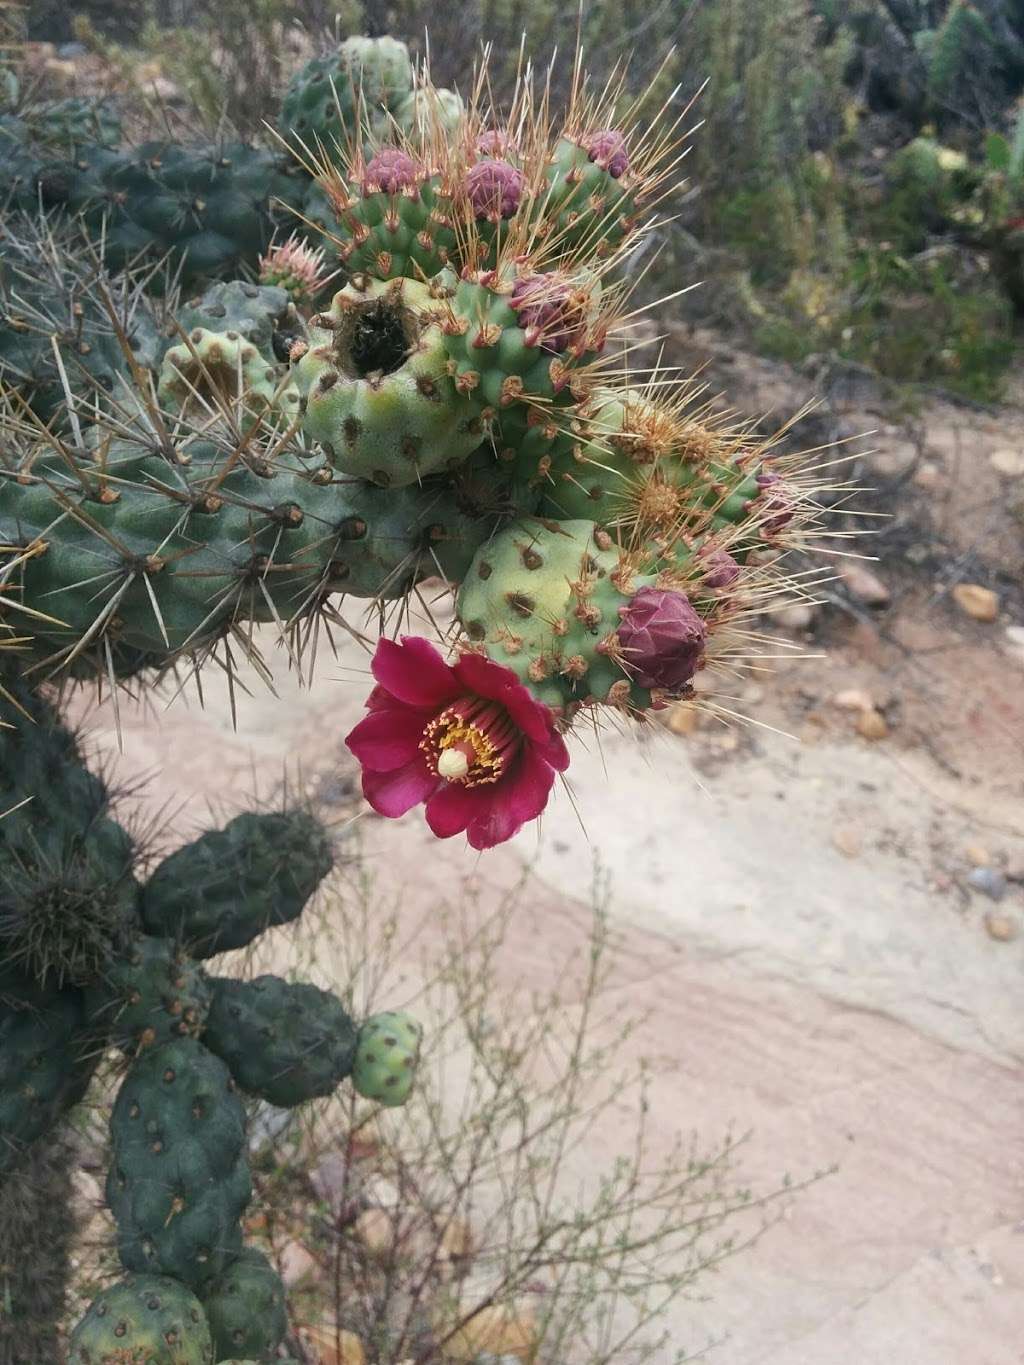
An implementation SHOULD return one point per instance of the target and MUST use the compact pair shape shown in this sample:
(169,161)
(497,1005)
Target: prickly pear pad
(145,1318)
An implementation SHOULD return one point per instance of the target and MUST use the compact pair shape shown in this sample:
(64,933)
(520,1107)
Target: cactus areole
(466,739)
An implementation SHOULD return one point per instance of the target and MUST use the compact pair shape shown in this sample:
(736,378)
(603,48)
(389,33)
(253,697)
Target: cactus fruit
(46,1060)
(390,216)
(230,885)
(178,1181)
(150,994)
(285,1042)
(37,1230)
(143,1320)
(335,98)
(377,396)
(212,207)
(387,1054)
(245,1309)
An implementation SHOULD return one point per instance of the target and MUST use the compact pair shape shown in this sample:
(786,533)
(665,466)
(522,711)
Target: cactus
(212,207)
(387,1053)
(159,546)
(143,1318)
(36,1232)
(230,885)
(336,97)
(285,1042)
(179,1180)
(67,889)
(377,398)
(245,1309)
(150,994)
(46,1060)
(51,286)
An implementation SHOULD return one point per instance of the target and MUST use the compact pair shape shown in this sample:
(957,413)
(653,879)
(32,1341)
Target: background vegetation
(856,187)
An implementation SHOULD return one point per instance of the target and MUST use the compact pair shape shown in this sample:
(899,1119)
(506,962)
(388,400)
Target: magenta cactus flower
(607,149)
(467,740)
(661,639)
(389,171)
(495,189)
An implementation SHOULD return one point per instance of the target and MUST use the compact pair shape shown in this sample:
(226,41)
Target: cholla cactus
(460,409)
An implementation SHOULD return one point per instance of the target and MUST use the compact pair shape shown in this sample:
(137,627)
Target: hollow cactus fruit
(230,885)
(245,1309)
(287,1042)
(149,1319)
(387,1053)
(178,1181)
(378,399)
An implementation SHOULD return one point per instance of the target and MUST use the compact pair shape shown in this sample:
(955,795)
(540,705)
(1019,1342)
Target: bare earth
(795,908)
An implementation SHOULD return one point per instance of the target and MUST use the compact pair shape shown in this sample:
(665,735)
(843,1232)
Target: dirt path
(828,927)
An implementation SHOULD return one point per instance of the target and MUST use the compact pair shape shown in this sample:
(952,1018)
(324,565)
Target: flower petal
(553,751)
(483,676)
(387,739)
(519,797)
(394,793)
(380,699)
(414,672)
(450,810)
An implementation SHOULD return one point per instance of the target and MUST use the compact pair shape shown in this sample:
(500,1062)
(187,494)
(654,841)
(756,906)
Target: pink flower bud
(721,571)
(390,171)
(662,638)
(548,311)
(495,189)
(607,148)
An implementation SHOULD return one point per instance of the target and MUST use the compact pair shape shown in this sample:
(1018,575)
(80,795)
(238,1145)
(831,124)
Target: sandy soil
(802,908)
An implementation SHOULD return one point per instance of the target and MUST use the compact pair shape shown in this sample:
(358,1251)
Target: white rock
(854,699)
(1008,462)
(866,586)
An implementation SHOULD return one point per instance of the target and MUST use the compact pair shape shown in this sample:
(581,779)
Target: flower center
(471,742)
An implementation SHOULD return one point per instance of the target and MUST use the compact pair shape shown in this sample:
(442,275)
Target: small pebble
(989,881)
(977,855)
(866,586)
(1001,927)
(980,604)
(871,725)
(853,699)
(1008,462)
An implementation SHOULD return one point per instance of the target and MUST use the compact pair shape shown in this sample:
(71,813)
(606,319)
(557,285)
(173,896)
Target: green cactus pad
(67,890)
(245,1307)
(287,1042)
(230,885)
(47,1058)
(386,1057)
(335,96)
(586,212)
(543,598)
(152,994)
(212,207)
(179,1181)
(143,1320)
(156,551)
(211,369)
(377,396)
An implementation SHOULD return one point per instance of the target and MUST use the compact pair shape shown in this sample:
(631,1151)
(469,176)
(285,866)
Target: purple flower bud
(547,311)
(662,638)
(722,570)
(774,510)
(389,171)
(607,148)
(495,189)
(494,142)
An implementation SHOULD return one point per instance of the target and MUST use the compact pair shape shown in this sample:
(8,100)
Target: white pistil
(452,764)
